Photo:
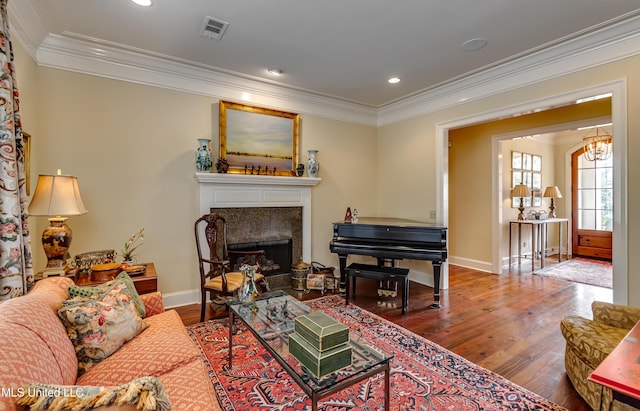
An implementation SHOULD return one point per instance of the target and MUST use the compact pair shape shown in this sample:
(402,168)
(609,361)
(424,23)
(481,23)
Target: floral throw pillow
(98,327)
(98,290)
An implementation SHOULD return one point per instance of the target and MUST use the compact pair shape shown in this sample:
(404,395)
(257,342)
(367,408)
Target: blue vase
(203,155)
(312,165)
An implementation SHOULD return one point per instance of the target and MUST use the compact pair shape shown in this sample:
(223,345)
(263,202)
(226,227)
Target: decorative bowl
(105,272)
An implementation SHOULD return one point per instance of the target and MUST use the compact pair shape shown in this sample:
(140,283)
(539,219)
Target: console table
(538,238)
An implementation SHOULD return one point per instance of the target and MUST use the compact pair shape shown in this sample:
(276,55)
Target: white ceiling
(341,49)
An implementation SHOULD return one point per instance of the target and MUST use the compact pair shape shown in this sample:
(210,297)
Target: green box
(321,331)
(319,363)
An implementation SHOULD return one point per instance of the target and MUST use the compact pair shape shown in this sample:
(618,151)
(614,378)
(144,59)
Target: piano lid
(390,221)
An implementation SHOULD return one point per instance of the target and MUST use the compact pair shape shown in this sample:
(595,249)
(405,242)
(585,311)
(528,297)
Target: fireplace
(276,230)
(277,207)
(276,259)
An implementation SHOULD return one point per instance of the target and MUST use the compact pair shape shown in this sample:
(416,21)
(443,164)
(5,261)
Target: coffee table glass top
(271,319)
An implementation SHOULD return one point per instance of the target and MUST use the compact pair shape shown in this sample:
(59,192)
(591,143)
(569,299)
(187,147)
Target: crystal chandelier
(597,147)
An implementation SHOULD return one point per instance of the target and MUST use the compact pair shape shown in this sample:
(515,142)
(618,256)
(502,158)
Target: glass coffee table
(270,320)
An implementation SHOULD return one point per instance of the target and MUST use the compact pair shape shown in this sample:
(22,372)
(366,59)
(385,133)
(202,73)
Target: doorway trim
(618,88)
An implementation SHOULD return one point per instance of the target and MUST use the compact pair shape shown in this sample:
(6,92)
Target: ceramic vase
(203,155)
(312,165)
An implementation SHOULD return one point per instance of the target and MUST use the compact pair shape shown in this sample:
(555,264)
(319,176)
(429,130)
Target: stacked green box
(320,343)
(321,331)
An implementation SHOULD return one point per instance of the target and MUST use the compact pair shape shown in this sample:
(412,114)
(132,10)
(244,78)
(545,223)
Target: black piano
(391,239)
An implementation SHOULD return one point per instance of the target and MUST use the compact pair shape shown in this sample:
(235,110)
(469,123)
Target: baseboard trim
(470,263)
(180,298)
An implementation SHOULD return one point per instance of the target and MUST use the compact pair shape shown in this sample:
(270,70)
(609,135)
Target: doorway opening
(497,222)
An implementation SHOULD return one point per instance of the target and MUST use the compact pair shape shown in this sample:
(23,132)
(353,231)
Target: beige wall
(461,224)
(132,148)
(470,174)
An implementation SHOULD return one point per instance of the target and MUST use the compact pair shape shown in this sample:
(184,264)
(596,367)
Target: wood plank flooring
(506,323)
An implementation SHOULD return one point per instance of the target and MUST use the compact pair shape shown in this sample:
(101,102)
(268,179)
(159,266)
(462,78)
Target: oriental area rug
(581,270)
(424,375)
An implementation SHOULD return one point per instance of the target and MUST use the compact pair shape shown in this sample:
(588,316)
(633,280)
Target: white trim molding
(219,190)
(90,56)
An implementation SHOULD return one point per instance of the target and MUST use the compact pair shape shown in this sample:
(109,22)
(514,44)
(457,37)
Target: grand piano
(391,239)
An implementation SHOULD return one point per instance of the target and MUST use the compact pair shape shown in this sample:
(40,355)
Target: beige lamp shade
(520,190)
(553,192)
(57,195)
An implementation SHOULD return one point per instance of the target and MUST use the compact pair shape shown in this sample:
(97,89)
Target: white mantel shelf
(218,190)
(252,179)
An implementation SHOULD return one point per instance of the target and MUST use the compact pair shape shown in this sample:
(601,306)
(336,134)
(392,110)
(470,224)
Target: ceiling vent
(213,28)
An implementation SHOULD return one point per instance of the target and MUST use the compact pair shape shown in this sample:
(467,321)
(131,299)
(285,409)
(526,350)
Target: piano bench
(393,274)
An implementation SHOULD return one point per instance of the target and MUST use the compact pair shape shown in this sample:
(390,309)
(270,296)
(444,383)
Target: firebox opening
(277,258)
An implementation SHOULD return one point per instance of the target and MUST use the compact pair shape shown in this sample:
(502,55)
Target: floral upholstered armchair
(589,342)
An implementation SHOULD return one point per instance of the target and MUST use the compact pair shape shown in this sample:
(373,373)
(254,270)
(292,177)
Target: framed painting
(536,163)
(257,140)
(516,160)
(526,161)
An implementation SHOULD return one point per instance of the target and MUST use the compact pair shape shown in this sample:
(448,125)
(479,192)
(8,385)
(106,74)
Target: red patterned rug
(581,270)
(424,375)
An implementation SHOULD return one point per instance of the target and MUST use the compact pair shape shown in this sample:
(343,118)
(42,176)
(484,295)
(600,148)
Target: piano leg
(343,271)
(436,284)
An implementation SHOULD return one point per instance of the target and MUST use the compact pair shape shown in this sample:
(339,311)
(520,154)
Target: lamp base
(552,210)
(56,240)
(521,209)
(54,272)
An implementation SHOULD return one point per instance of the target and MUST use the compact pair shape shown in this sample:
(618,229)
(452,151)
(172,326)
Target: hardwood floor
(506,323)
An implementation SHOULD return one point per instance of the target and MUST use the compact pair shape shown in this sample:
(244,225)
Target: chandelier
(597,147)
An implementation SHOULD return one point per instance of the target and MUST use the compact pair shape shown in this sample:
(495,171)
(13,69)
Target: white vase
(312,165)
(203,155)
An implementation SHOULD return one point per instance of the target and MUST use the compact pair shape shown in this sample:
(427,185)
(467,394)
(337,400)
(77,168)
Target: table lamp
(552,192)
(56,196)
(521,190)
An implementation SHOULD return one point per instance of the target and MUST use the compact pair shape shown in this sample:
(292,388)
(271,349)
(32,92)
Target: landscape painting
(257,140)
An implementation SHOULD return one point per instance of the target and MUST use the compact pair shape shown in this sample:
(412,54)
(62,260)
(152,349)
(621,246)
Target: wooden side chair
(216,276)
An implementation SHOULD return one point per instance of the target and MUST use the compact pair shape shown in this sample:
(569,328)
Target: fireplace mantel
(249,179)
(219,190)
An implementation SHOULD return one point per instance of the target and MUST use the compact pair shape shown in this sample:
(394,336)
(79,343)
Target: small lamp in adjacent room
(552,192)
(521,190)
(56,196)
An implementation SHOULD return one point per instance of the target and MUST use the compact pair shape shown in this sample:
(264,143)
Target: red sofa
(35,348)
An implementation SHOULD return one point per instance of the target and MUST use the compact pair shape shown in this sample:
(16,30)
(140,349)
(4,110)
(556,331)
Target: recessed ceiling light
(145,3)
(275,71)
(474,44)
(394,80)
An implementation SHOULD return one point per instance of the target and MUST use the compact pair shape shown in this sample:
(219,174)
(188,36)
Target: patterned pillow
(97,291)
(145,393)
(98,327)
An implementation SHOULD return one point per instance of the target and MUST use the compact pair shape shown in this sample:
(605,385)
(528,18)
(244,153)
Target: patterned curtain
(16,270)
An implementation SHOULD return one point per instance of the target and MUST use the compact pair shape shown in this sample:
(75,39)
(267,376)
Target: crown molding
(93,58)
(599,47)
(607,45)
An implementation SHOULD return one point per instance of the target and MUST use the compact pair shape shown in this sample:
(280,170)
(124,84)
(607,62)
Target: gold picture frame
(256,140)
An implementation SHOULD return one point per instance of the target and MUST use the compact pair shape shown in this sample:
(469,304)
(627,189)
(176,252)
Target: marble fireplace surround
(217,190)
